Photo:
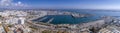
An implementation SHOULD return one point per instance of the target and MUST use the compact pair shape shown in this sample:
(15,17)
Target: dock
(50,20)
(43,18)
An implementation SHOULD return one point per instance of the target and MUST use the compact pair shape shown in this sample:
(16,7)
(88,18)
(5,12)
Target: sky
(79,4)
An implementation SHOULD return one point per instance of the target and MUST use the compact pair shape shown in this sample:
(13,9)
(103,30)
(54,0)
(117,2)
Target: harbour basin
(66,19)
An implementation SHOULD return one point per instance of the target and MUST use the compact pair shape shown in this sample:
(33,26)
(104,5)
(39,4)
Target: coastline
(80,25)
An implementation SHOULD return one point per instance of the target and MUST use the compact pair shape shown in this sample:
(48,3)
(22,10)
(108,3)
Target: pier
(43,19)
(50,20)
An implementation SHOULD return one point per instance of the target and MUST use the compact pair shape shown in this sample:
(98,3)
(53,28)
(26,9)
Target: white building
(15,20)
(73,26)
(13,12)
(22,20)
(1,29)
(110,29)
(12,20)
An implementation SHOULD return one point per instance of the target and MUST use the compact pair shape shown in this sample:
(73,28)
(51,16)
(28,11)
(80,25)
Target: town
(13,21)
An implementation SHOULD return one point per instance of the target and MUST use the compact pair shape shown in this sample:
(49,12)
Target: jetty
(50,20)
(43,18)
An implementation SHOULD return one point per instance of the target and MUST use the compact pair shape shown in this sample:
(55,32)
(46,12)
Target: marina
(67,19)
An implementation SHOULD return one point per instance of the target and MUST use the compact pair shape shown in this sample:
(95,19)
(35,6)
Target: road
(50,28)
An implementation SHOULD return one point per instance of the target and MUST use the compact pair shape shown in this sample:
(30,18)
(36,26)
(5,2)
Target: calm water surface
(68,19)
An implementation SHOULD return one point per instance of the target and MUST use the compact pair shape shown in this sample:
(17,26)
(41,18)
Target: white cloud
(10,3)
(19,4)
